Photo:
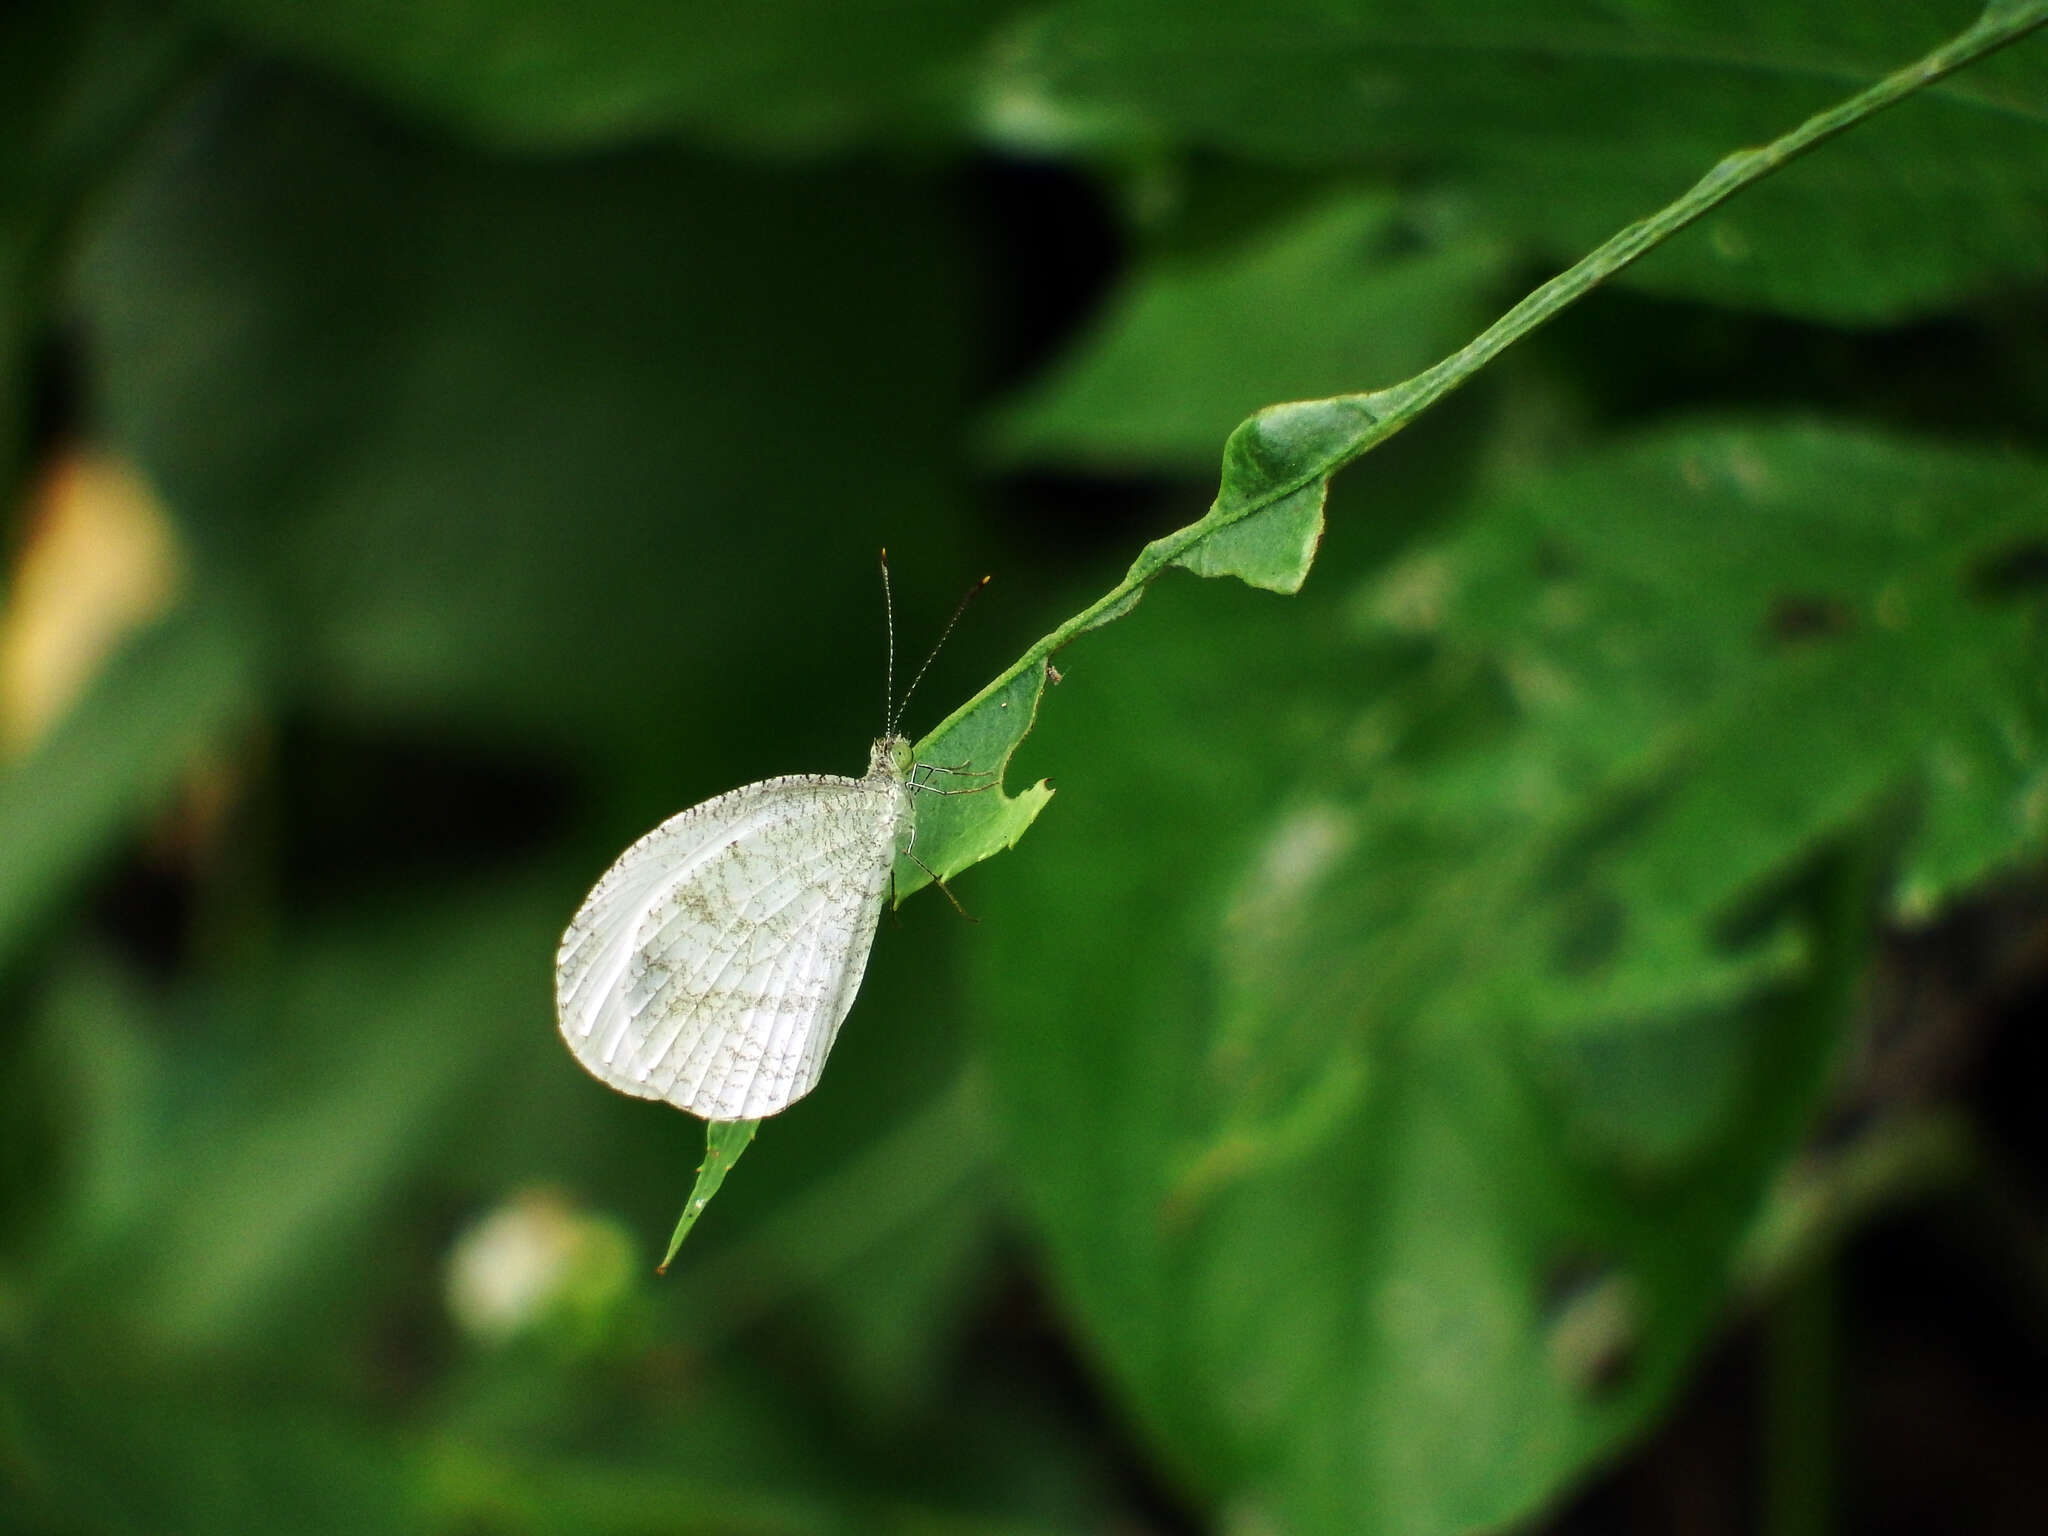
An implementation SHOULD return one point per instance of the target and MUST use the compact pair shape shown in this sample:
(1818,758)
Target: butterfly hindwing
(713,964)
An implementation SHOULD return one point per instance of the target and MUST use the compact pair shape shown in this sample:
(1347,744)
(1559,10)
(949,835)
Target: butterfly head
(891,758)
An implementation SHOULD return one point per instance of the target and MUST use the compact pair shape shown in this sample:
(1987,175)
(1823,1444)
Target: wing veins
(696,984)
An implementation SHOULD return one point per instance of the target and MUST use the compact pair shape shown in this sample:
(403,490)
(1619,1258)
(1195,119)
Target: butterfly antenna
(889,676)
(958,609)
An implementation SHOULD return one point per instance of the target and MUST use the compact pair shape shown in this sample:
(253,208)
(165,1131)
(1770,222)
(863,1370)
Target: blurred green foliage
(1370,1071)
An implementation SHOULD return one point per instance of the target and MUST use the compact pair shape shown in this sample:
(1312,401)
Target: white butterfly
(714,962)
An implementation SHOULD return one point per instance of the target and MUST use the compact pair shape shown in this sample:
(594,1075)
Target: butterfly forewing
(714,962)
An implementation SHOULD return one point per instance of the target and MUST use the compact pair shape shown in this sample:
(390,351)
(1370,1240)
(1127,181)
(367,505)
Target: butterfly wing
(715,961)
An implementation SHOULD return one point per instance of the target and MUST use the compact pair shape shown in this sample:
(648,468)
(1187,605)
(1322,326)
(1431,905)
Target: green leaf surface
(1266,521)
(95,1442)
(205,1220)
(1565,119)
(790,75)
(724,1141)
(178,689)
(105,1438)
(1341,296)
(1749,635)
(75,81)
(1488,970)
(1263,528)
(876,1252)
(509,443)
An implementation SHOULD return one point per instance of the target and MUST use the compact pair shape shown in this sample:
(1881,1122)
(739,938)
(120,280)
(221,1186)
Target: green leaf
(956,831)
(178,689)
(1789,623)
(1327,1227)
(802,74)
(1565,119)
(97,1440)
(724,1141)
(1263,528)
(1434,1014)
(75,82)
(1334,298)
(225,1218)
(874,1252)
(1264,537)
(1266,521)
(344,356)
(1273,551)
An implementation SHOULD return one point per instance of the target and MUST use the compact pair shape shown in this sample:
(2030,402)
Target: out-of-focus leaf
(97,1439)
(793,74)
(90,1442)
(517,445)
(1567,119)
(901,1314)
(1338,1272)
(1433,1017)
(1764,629)
(237,1211)
(74,81)
(326,1086)
(99,563)
(172,692)
(1338,299)
(884,1247)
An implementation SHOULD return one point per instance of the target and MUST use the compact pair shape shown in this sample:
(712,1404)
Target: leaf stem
(1386,411)
(1396,406)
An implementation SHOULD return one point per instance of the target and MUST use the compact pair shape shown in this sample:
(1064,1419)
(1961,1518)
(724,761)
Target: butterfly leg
(993,775)
(934,874)
(920,787)
(931,873)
